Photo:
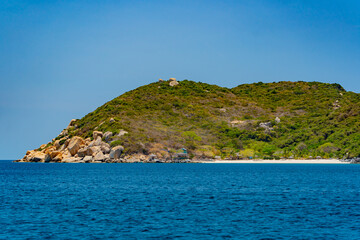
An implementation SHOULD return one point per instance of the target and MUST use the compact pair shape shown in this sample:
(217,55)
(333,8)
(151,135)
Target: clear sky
(62,59)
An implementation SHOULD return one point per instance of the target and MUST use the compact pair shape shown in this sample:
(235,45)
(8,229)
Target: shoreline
(282,161)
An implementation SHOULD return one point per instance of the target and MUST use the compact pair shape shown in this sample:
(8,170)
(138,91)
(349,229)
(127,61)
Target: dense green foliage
(316,119)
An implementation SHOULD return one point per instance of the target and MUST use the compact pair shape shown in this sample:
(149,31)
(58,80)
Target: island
(187,121)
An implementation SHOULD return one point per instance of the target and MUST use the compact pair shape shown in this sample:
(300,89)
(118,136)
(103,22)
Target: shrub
(115,143)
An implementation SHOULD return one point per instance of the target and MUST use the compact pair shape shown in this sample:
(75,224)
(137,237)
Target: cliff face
(156,121)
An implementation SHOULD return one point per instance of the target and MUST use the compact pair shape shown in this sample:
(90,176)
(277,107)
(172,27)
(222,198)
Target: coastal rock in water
(47,158)
(97,134)
(37,157)
(99,156)
(72,160)
(54,154)
(58,157)
(87,159)
(75,144)
(115,153)
(107,136)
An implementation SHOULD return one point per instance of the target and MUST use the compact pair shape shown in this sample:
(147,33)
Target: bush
(115,143)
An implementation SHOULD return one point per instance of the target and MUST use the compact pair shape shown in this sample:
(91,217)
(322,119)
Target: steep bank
(264,120)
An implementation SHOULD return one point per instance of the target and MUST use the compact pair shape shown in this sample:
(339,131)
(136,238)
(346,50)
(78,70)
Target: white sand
(315,161)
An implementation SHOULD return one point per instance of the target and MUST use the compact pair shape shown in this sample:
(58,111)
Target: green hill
(267,120)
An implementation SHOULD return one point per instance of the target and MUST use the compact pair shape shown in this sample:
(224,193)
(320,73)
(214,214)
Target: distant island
(182,121)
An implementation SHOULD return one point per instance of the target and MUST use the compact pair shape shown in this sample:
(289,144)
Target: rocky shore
(75,149)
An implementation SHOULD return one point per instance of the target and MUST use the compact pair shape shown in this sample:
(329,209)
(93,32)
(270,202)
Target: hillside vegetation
(267,120)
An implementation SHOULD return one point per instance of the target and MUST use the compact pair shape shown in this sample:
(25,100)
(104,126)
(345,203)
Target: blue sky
(62,59)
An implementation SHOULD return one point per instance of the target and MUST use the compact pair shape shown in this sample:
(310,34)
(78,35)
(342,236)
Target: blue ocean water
(184,201)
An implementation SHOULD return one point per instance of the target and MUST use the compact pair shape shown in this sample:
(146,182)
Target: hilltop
(263,120)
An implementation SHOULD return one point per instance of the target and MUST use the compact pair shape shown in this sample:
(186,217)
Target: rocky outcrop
(107,136)
(38,157)
(78,150)
(99,156)
(122,133)
(116,152)
(75,144)
(173,82)
(267,126)
(71,124)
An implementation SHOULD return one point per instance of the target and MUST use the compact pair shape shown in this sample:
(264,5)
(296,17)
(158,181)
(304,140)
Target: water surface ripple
(184,201)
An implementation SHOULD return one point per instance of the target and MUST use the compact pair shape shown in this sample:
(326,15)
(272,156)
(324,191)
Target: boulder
(82,152)
(66,153)
(49,149)
(72,123)
(87,159)
(112,120)
(173,83)
(277,120)
(161,80)
(99,156)
(93,150)
(87,141)
(97,134)
(75,144)
(72,160)
(105,148)
(122,133)
(37,157)
(107,136)
(267,126)
(54,154)
(63,132)
(98,141)
(57,144)
(28,152)
(115,152)
(107,157)
(66,143)
(47,158)
(57,158)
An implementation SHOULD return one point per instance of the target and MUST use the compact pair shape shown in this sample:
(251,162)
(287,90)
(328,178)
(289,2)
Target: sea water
(183,201)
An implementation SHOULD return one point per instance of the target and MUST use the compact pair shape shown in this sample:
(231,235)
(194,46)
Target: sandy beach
(307,161)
